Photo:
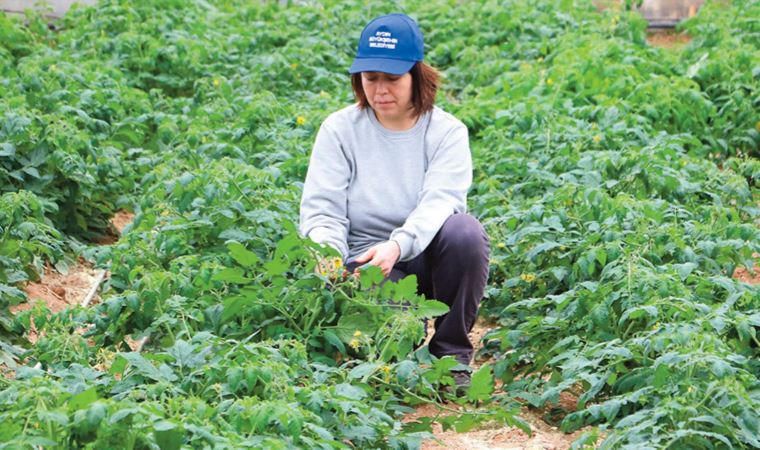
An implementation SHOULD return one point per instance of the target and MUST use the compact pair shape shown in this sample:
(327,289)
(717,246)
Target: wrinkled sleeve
(444,192)
(323,211)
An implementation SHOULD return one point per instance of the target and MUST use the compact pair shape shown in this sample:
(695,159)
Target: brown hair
(425,83)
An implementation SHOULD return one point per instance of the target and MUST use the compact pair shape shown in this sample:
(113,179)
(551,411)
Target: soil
(543,436)
(59,291)
(749,276)
(121,219)
(118,222)
(667,39)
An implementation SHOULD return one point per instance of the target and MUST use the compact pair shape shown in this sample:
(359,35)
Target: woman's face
(389,95)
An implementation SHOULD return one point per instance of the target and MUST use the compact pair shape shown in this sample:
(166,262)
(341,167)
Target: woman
(387,183)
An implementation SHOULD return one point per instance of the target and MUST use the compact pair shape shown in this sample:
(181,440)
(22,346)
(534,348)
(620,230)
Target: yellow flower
(300,120)
(217,82)
(549,82)
(354,344)
(597,138)
(294,66)
(492,261)
(337,263)
(386,369)
(501,245)
(357,333)
(528,277)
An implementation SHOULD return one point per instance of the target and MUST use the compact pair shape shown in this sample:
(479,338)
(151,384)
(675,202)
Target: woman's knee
(465,235)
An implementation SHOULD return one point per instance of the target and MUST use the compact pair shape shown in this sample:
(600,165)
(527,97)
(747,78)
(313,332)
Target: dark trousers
(453,269)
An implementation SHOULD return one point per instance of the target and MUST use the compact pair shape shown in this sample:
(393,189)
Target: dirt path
(544,436)
(59,291)
(669,39)
(749,276)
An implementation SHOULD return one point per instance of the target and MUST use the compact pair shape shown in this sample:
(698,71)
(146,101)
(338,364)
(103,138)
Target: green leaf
(121,414)
(541,248)
(481,384)
(118,365)
(169,436)
(420,424)
(83,399)
(406,287)
(461,423)
(661,375)
(231,275)
(7,149)
(58,417)
(233,306)
(559,272)
(371,276)
(276,267)
(684,270)
(349,323)
(242,255)
(349,391)
(333,339)
(95,414)
(143,366)
(601,256)
(362,370)
(431,308)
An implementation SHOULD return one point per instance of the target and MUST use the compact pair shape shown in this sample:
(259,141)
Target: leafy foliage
(616,181)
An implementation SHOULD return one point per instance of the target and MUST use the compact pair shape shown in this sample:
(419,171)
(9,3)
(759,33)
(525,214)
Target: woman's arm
(444,192)
(323,213)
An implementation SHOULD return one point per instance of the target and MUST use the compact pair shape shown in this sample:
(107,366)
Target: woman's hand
(383,255)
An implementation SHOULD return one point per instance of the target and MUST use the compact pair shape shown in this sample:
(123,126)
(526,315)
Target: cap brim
(391,66)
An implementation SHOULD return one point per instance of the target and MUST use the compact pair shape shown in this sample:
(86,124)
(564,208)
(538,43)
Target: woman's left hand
(383,255)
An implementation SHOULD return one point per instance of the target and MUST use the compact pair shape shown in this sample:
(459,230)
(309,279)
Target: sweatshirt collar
(421,122)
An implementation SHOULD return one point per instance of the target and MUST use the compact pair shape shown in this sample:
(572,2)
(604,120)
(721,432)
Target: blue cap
(390,44)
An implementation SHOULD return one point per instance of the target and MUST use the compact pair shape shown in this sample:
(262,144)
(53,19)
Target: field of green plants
(618,183)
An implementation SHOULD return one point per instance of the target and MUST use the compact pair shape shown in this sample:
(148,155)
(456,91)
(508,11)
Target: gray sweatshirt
(366,184)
